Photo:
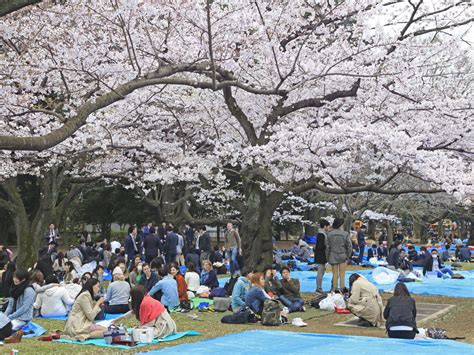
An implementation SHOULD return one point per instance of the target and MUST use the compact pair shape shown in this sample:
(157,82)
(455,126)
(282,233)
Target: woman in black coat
(320,253)
(400,314)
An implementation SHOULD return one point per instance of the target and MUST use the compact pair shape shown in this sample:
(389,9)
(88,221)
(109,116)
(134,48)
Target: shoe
(15,338)
(364,323)
(298,322)
(46,338)
(303,309)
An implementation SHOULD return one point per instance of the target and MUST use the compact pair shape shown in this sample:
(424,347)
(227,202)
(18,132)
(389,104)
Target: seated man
(372,252)
(412,254)
(168,288)
(149,278)
(433,263)
(290,292)
(382,251)
(240,290)
(295,249)
(403,263)
(463,253)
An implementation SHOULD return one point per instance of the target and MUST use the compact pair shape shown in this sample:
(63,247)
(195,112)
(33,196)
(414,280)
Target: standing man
(171,245)
(151,244)
(338,251)
(320,252)
(204,244)
(361,243)
(233,246)
(51,235)
(131,248)
(188,238)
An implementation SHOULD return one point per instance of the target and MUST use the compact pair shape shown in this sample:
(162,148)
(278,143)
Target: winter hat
(117,271)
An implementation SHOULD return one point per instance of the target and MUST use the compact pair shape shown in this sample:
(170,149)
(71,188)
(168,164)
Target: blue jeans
(445,270)
(293,304)
(361,254)
(232,256)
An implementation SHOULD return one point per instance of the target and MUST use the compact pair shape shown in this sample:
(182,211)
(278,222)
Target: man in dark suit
(152,244)
(131,248)
(170,245)
(204,244)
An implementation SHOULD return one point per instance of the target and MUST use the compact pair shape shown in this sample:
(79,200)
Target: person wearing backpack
(400,314)
(240,290)
(256,296)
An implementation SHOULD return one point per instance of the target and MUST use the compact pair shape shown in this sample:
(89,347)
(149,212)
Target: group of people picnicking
(147,280)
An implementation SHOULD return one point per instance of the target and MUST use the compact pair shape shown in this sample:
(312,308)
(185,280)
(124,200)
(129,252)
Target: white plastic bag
(384,276)
(332,301)
(339,301)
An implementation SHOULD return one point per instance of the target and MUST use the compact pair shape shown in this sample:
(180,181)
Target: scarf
(204,277)
(17,290)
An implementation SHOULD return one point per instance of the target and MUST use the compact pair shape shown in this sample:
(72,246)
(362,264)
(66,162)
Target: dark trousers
(6,331)
(361,254)
(116,308)
(170,257)
(294,304)
(402,334)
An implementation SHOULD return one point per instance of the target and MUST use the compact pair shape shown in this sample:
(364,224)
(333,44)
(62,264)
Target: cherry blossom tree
(267,98)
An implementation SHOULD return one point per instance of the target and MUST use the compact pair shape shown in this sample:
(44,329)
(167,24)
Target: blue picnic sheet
(32,330)
(102,343)
(429,286)
(258,342)
(107,317)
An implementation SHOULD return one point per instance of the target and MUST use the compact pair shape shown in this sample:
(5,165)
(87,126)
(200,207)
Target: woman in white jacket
(53,299)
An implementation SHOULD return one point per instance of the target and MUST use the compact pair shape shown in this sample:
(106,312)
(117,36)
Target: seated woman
(53,299)
(433,263)
(70,272)
(272,284)
(193,280)
(37,280)
(365,301)
(400,314)
(118,293)
(150,313)
(290,292)
(136,273)
(80,323)
(168,288)
(98,274)
(182,285)
(20,304)
(256,295)
(58,265)
(208,275)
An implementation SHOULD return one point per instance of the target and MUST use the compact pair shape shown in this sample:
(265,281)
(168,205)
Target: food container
(143,334)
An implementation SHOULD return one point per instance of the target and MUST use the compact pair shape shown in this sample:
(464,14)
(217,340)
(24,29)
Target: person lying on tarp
(365,301)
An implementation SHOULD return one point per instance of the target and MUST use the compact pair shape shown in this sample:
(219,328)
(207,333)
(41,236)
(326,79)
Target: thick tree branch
(241,117)
(9,6)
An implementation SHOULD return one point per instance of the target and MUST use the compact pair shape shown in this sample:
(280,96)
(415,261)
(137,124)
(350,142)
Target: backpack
(221,304)
(218,292)
(315,301)
(271,313)
(229,285)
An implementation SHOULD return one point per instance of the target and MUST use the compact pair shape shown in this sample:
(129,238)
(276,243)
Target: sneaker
(298,322)
(285,310)
(303,309)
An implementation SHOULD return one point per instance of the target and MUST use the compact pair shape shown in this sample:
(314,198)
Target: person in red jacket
(150,313)
(182,285)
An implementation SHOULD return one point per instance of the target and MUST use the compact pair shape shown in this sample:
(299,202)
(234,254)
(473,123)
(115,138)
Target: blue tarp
(429,286)
(36,329)
(107,317)
(102,343)
(257,342)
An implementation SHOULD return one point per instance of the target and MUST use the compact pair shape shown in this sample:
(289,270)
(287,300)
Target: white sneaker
(298,322)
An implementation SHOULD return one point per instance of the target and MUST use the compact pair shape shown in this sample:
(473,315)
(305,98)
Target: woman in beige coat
(365,302)
(80,323)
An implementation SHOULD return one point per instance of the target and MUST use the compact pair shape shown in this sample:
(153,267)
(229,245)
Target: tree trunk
(256,227)
(417,229)
(313,215)
(388,225)
(372,228)
(471,233)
